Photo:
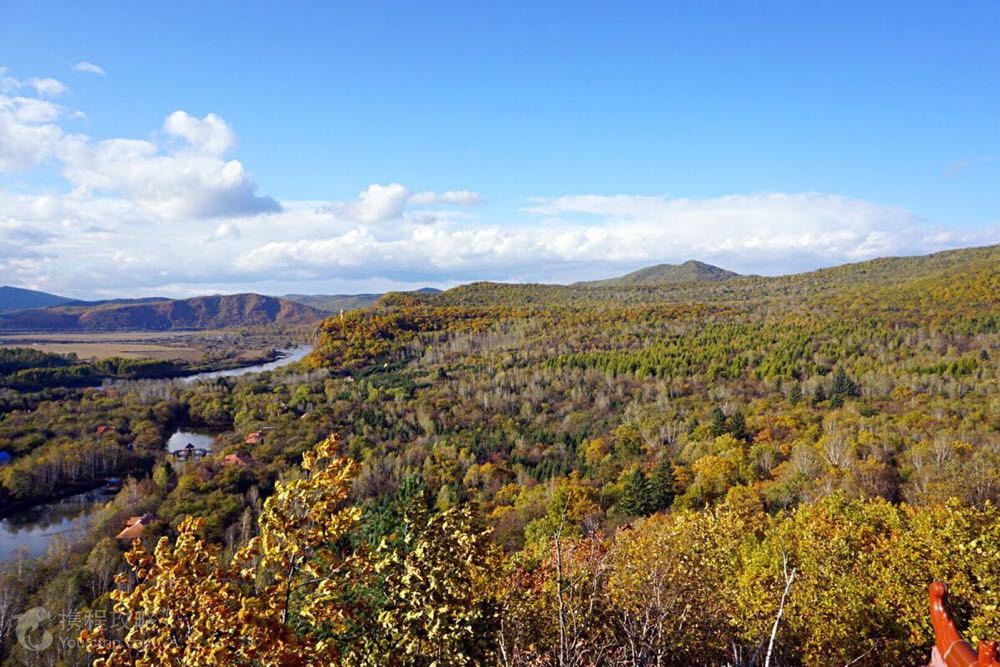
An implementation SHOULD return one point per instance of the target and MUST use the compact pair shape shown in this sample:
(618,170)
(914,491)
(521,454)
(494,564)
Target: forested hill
(797,327)
(205,312)
(665,274)
(334,303)
(17,298)
(861,280)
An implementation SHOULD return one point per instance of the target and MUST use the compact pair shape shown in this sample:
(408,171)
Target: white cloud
(106,244)
(185,177)
(89,68)
(383,203)
(171,184)
(226,231)
(379,203)
(457,197)
(29,133)
(48,87)
(767,233)
(8,84)
(210,135)
(774,225)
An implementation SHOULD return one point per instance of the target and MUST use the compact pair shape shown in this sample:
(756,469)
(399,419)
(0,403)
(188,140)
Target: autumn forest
(692,468)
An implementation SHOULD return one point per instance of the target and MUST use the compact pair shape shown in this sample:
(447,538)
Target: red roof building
(134,527)
(241,460)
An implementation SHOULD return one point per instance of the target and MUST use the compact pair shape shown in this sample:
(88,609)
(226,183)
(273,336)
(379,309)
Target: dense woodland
(24,369)
(599,474)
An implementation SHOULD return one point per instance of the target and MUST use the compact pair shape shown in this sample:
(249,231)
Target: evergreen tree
(795,394)
(385,516)
(738,426)
(718,422)
(819,395)
(661,485)
(841,387)
(636,493)
(692,424)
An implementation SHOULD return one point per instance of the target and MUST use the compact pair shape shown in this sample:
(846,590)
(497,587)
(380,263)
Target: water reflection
(31,530)
(289,356)
(200,438)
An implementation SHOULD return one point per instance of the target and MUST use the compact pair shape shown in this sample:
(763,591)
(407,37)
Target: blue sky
(398,144)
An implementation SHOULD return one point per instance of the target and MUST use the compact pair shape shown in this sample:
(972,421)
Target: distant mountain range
(664,274)
(30,310)
(203,312)
(17,298)
(27,310)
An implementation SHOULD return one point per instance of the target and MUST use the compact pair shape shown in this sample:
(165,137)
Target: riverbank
(176,434)
(10,506)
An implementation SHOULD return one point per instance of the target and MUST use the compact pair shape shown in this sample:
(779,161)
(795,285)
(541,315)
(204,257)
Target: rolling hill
(205,312)
(334,303)
(799,290)
(17,298)
(665,274)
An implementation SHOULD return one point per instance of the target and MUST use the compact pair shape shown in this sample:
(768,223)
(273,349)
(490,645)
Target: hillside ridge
(658,274)
(202,312)
(20,298)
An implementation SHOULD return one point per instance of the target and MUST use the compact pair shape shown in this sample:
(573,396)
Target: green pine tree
(662,485)
(718,422)
(795,394)
(636,493)
(692,424)
(841,387)
(819,395)
(738,426)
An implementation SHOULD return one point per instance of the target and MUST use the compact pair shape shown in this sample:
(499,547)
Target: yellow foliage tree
(440,605)
(273,604)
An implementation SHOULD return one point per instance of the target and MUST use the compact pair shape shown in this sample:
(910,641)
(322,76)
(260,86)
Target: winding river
(30,531)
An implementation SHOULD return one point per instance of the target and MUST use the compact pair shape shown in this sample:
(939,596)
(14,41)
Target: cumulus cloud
(587,235)
(379,203)
(29,133)
(384,203)
(210,135)
(172,185)
(797,228)
(8,84)
(113,244)
(110,244)
(184,176)
(89,68)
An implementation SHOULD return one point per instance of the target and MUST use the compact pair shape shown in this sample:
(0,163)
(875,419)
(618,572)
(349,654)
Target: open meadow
(180,346)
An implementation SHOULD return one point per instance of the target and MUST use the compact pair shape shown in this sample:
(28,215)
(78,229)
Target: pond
(200,438)
(30,531)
